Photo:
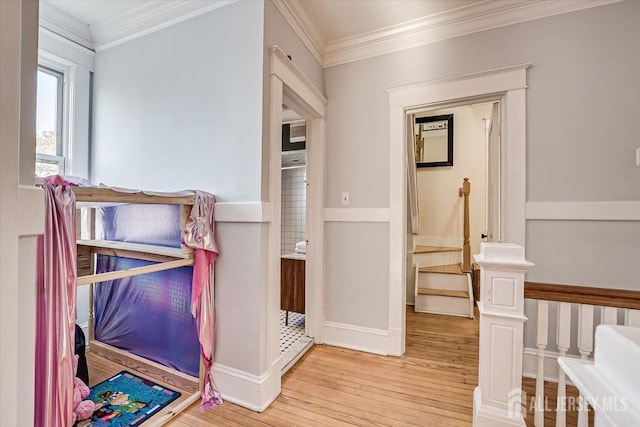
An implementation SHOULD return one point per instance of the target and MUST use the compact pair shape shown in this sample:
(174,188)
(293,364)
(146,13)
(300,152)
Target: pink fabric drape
(199,234)
(56,309)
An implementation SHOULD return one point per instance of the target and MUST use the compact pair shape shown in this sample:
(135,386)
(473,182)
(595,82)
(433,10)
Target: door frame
(509,86)
(288,82)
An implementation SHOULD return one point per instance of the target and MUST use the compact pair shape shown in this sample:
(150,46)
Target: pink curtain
(199,234)
(56,309)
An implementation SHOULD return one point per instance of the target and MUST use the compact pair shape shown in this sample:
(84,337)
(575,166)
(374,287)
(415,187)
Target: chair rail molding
(584,211)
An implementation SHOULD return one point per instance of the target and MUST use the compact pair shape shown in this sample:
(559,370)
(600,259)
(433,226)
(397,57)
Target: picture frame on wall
(294,136)
(434,141)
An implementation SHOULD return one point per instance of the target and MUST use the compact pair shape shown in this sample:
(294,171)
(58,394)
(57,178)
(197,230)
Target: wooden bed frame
(165,258)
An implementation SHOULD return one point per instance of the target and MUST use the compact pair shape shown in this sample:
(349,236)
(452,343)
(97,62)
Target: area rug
(128,400)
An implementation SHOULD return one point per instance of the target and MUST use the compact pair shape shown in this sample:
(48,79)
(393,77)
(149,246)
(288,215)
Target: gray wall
(181,109)
(278,32)
(582,118)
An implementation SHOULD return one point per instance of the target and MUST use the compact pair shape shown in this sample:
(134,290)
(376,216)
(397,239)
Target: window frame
(61,71)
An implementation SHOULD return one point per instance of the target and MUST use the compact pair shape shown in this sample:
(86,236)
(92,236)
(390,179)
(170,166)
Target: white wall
(441,210)
(278,32)
(578,82)
(181,108)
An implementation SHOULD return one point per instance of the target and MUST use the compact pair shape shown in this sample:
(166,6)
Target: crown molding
(303,26)
(147,18)
(454,23)
(65,26)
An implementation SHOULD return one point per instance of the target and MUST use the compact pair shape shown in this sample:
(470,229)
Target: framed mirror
(434,141)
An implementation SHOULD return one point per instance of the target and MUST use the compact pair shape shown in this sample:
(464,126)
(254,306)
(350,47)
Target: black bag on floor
(81,344)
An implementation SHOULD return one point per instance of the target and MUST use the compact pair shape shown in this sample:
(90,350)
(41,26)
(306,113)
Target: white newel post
(497,399)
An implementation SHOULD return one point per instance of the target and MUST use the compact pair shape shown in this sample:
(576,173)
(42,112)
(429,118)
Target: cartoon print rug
(128,400)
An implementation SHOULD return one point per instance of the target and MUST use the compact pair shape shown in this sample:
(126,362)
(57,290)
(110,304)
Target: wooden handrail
(464,191)
(583,295)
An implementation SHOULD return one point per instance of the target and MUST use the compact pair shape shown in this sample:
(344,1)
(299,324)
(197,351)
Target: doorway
(287,85)
(294,339)
(438,276)
(508,85)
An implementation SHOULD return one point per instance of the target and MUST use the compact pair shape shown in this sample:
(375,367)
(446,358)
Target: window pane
(47,119)
(45,169)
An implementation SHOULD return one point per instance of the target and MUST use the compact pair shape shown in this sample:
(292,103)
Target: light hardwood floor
(432,385)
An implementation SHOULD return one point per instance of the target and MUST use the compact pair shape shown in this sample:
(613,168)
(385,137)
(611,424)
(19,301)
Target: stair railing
(587,300)
(464,191)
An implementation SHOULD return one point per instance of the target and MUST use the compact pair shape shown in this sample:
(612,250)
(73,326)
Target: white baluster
(563,337)
(541,341)
(632,318)
(609,315)
(585,345)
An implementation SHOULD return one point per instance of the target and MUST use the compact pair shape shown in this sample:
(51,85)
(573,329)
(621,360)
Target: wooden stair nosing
(443,293)
(443,269)
(420,249)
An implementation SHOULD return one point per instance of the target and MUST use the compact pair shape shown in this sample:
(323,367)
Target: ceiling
(94,11)
(334,31)
(339,19)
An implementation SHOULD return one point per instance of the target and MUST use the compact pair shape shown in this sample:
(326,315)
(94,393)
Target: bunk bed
(198,249)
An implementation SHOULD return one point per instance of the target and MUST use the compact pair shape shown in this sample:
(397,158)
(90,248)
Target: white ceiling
(92,11)
(339,19)
(334,31)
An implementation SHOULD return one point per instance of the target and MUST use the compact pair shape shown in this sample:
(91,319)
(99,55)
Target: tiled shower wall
(294,208)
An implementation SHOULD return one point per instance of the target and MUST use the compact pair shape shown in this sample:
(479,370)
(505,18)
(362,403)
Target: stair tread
(443,293)
(444,269)
(431,249)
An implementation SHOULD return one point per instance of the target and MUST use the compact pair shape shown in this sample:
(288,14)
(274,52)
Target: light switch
(345,199)
(638,157)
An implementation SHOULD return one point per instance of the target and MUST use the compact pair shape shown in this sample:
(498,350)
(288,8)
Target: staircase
(441,286)
(443,273)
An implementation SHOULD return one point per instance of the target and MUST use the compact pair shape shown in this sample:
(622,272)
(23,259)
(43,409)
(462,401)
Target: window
(49,122)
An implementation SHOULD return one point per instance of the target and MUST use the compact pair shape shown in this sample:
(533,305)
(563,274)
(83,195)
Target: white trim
(64,25)
(507,84)
(147,18)
(298,83)
(480,16)
(64,50)
(30,208)
(286,81)
(243,212)
(457,87)
(18,51)
(251,391)
(303,26)
(356,215)
(449,241)
(584,211)
(359,338)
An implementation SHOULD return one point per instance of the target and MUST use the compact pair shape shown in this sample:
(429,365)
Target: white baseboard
(449,241)
(358,338)
(551,367)
(255,392)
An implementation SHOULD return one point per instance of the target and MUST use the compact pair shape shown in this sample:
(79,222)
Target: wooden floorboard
(432,385)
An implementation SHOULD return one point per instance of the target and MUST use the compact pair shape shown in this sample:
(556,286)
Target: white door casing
(21,210)
(509,86)
(493,176)
(288,82)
